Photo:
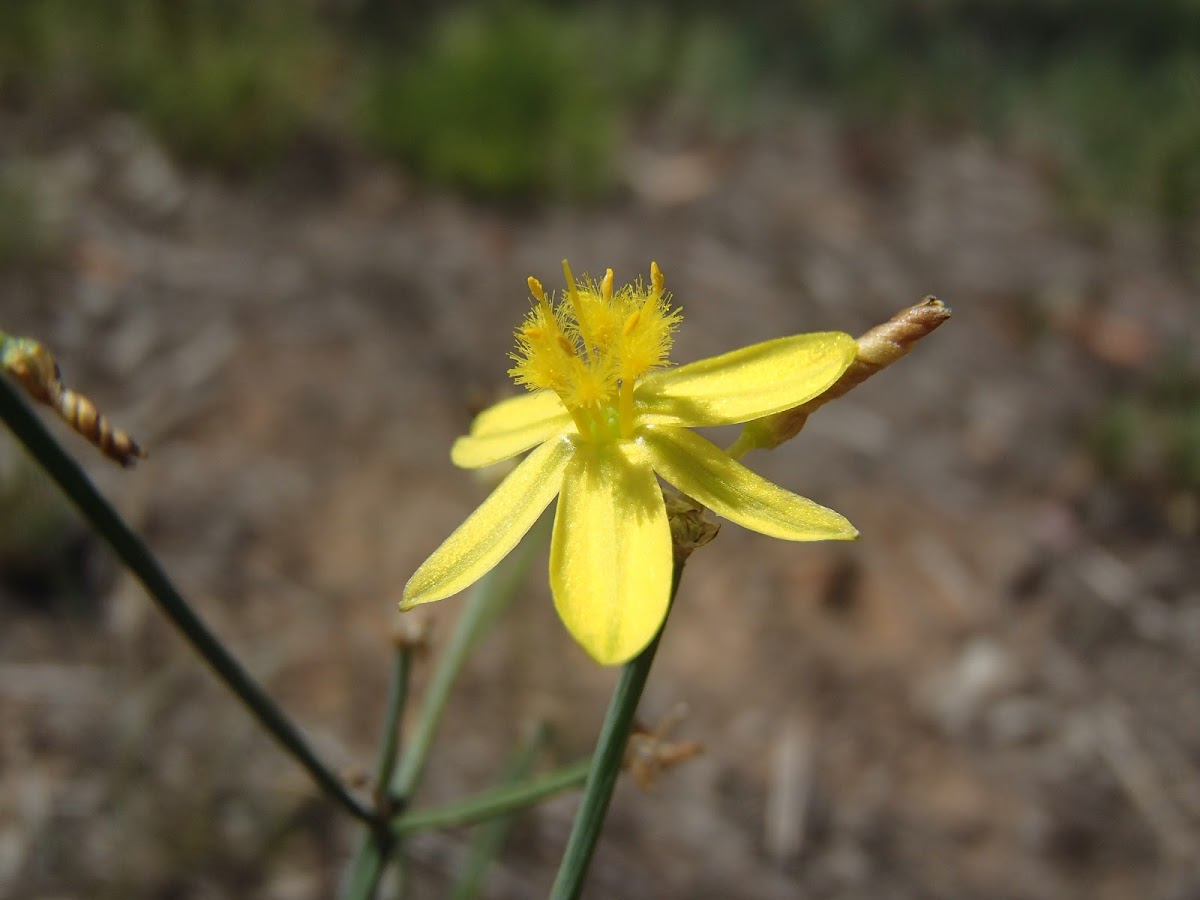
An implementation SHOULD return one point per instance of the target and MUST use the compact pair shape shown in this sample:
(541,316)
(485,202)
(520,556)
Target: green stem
(376,845)
(366,869)
(134,554)
(492,593)
(497,801)
(397,698)
(485,601)
(606,766)
(489,837)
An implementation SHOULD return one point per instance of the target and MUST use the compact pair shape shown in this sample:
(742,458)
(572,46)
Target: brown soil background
(993,694)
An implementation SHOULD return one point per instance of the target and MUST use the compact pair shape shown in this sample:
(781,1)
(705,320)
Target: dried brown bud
(877,349)
(411,632)
(31,364)
(648,753)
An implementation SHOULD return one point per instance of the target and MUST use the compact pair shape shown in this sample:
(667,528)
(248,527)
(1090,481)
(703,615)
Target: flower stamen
(579,312)
(593,347)
(656,279)
(625,409)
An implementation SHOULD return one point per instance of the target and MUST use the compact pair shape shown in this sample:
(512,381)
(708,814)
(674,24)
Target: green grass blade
(497,801)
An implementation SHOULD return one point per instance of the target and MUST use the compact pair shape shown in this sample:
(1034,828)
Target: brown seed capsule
(81,414)
(877,349)
(34,367)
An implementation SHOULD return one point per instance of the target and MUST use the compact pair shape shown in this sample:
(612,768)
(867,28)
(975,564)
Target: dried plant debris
(32,365)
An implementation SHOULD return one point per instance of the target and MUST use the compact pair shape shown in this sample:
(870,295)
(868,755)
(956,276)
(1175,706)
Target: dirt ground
(993,694)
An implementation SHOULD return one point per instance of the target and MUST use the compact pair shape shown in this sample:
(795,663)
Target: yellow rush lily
(606,416)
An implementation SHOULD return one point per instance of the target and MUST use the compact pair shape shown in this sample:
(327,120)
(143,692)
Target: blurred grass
(1146,437)
(222,83)
(503,102)
(1103,90)
(521,100)
(1121,133)
(512,100)
(28,232)
(234,88)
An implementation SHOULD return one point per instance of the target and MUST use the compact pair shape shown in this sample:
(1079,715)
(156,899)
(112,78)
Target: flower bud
(877,349)
(692,525)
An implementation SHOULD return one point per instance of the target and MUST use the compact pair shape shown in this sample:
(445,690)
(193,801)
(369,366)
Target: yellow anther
(592,345)
(656,277)
(573,297)
(570,280)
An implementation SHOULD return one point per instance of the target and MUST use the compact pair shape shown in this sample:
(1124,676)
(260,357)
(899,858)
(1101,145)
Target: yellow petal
(517,412)
(493,529)
(610,558)
(510,427)
(746,384)
(470,452)
(705,472)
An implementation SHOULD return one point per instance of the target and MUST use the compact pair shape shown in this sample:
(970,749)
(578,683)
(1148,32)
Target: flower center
(592,345)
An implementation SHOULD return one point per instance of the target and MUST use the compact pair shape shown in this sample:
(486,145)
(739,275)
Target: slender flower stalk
(397,780)
(379,844)
(375,847)
(607,762)
(397,700)
(496,801)
(605,419)
(486,602)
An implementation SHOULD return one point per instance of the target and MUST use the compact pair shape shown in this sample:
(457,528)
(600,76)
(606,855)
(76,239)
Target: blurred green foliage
(513,100)
(1106,91)
(27,232)
(519,99)
(1148,435)
(223,83)
(503,102)
(1120,133)
(233,86)
(1175,400)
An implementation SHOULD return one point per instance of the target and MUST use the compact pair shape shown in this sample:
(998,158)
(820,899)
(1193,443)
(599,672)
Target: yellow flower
(604,418)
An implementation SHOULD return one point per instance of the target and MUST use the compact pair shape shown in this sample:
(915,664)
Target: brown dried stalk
(877,349)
